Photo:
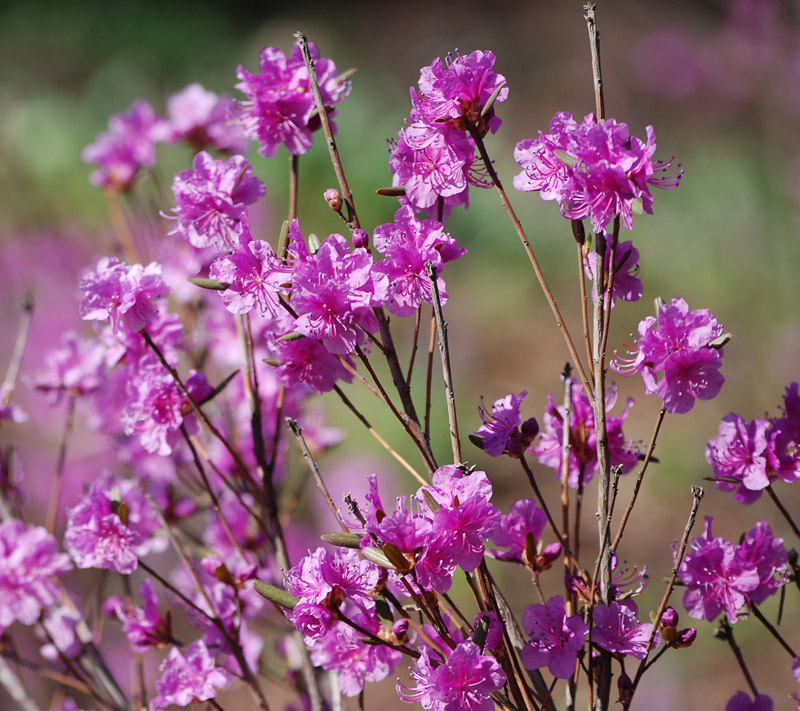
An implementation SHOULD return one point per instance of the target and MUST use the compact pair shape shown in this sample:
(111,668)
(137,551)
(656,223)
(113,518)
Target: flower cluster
(280,107)
(747,457)
(724,577)
(593,169)
(678,354)
(503,431)
(434,155)
(582,462)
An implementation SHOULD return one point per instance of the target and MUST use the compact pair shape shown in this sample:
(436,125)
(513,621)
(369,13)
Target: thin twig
(55,494)
(312,465)
(26,305)
(594,45)
(771,629)
(639,478)
(447,374)
(783,510)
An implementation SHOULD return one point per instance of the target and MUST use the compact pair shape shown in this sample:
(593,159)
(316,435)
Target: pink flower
(627,285)
(280,107)
(336,290)
(582,462)
(144,626)
(408,245)
(523,519)
(122,294)
(678,346)
(75,368)
(29,565)
(617,629)
(127,147)
(189,678)
(211,201)
(716,577)
(741,702)
(102,533)
(255,278)
(305,360)
(203,120)
(593,169)
(555,639)
(464,683)
(503,431)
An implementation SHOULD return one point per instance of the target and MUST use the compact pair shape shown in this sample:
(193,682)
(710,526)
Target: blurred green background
(719,81)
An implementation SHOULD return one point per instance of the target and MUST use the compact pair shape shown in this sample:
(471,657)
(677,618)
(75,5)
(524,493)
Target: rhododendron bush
(213,345)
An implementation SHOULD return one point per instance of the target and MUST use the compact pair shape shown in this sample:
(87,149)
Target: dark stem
(783,510)
(594,46)
(447,374)
(772,630)
(55,494)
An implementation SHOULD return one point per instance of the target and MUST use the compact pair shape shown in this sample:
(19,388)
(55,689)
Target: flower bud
(360,239)
(684,638)
(625,688)
(400,630)
(669,618)
(334,199)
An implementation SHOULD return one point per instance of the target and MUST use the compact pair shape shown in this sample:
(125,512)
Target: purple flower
(741,702)
(627,285)
(343,650)
(144,626)
(524,519)
(255,278)
(122,294)
(582,463)
(185,679)
(617,629)
(112,534)
(62,639)
(434,155)
(280,107)
(555,639)
(203,120)
(769,556)
(75,368)
(717,578)
(500,431)
(678,345)
(465,683)
(29,565)
(465,518)
(335,292)
(408,245)
(328,579)
(593,169)
(154,410)
(211,201)
(128,146)
(304,360)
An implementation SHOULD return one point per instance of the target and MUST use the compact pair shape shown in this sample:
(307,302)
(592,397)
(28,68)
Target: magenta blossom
(409,245)
(128,146)
(717,577)
(677,356)
(211,201)
(122,294)
(335,291)
(582,462)
(617,629)
(344,650)
(76,368)
(188,678)
(593,169)
(627,285)
(204,120)
(465,683)
(305,360)
(144,626)
(29,565)
(112,526)
(503,431)
(255,278)
(741,702)
(555,639)
(280,107)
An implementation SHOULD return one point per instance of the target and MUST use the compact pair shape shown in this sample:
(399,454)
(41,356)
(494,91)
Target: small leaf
(217,390)
(377,556)
(343,540)
(488,106)
(391,192)
(398,560)
(720,341)
(294,336)
(566,158)
(277,595)
(212,284)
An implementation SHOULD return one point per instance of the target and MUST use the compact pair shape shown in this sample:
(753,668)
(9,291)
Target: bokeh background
(720,82)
